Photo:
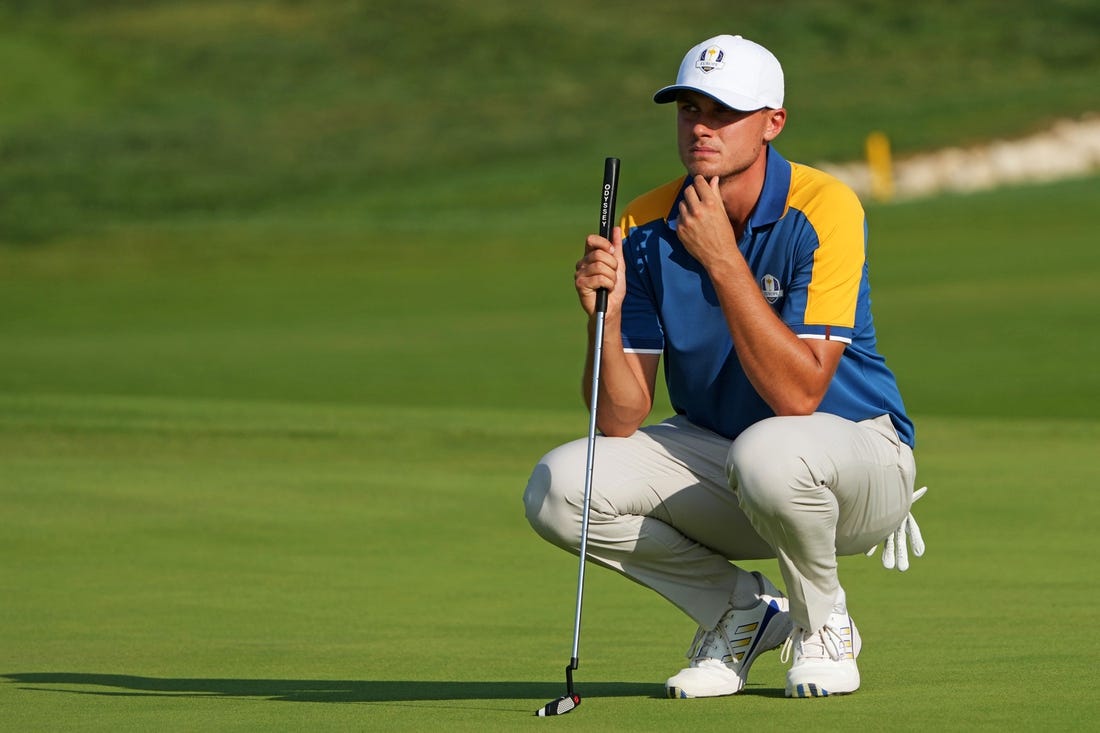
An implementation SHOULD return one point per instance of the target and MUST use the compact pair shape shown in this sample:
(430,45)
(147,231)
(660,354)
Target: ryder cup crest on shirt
(735,71)
(771,288)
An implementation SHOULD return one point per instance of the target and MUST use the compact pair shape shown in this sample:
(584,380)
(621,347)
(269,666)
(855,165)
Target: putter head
(561,706)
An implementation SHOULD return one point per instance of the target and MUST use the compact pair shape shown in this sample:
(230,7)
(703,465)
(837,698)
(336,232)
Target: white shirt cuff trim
(823,337)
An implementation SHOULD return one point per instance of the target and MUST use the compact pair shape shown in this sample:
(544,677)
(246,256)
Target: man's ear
(777,119)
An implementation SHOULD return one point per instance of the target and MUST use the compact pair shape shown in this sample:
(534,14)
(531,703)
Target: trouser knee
(553,503)
(766,474)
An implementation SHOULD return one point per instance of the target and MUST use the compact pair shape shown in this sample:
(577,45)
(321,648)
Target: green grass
(199,565)
(286,318)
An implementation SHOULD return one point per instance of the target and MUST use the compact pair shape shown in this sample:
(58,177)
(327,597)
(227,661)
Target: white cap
(732,70)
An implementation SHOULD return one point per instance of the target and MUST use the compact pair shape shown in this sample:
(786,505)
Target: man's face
(715,140)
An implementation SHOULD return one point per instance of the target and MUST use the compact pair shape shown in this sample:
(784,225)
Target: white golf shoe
(721,657)
(824,660)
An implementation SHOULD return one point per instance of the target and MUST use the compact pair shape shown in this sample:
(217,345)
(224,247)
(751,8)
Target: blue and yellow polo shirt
(806,245)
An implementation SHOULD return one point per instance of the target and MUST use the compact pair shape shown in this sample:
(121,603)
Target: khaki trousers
(674,504)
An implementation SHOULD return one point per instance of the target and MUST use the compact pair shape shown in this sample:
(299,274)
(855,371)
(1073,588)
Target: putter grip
(607,215)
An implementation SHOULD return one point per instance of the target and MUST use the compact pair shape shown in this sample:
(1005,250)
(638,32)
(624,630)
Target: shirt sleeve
(831,264)
(641,324)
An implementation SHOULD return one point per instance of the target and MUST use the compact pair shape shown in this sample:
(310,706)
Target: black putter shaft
(571,699)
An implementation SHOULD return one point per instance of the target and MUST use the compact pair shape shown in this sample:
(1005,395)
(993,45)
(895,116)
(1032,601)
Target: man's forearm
(624,400)
(785,371)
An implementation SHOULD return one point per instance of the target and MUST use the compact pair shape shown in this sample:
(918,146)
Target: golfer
(790,440)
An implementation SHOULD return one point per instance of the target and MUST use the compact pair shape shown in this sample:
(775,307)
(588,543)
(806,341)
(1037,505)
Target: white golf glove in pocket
(895,550)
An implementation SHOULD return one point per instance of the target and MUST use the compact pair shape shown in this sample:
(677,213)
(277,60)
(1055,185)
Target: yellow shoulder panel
(650,206)
(835,213)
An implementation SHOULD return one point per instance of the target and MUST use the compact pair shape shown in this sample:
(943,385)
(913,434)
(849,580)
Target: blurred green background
(286,316)
(436,116)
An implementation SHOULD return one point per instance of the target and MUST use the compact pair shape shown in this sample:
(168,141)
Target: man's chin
(706,174)
(705,168)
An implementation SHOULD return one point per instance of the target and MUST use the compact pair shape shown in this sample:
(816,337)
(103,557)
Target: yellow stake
(882,171)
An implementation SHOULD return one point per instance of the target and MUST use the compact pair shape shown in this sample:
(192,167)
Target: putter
(567,702)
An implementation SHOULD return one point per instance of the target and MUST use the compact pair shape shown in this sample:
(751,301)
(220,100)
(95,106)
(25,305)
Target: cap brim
(668,94)
(733,101)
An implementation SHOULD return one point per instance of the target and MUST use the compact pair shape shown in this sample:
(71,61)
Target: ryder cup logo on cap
(710,59)
(732,70)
